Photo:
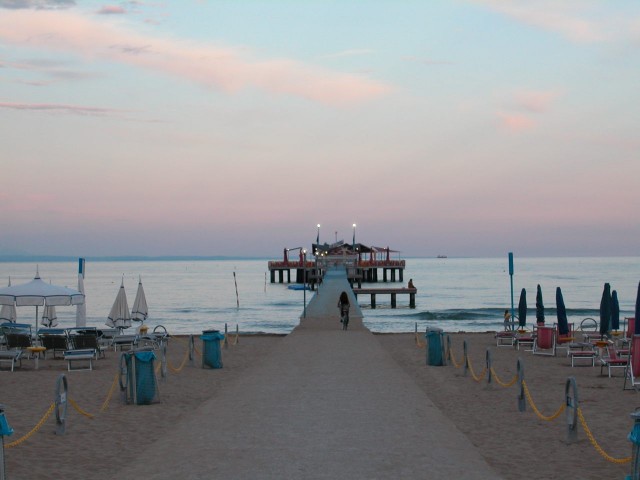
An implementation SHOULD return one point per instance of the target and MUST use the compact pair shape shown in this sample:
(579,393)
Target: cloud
(59,108)
(224,68)
(349,53)
(111,10)
(534,101)
(515,122)
(36,4)
(577,20)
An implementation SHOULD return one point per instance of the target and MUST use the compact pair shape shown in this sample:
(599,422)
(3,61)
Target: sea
(454,294)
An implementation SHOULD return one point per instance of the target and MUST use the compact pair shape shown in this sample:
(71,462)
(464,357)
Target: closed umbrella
(49,317)
(522,309)
(81,310)
(615,311)
(8,312)
(605,311)
(119,317)
(561,312)
(636,329)
(139,310)
(539,306)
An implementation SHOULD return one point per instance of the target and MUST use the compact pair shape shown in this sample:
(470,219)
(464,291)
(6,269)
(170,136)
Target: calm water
(456,294)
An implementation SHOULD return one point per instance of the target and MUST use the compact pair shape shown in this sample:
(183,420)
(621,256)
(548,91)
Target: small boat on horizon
(441,256)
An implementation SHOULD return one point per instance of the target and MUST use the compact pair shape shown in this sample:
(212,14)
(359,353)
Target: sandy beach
(514,444)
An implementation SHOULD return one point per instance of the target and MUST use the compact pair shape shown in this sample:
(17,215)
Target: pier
(394,292)
(364,264)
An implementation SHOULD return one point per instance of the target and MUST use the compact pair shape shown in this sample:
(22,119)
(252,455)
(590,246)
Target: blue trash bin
(211,355)
(434,338)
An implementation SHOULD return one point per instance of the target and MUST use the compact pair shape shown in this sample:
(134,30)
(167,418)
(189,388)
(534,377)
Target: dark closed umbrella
(522,309)
(636,329)
(615,311)
(563,323)
(605,310)
(539,306)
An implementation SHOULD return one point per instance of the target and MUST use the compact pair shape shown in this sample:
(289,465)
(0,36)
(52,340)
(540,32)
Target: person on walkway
(343,305)
(411,285)
(507,320)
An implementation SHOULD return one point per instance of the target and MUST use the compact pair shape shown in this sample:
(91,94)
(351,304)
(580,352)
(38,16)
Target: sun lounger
(125,341)
(505,339)
(54,340)
(545,341)
(12,357)
(613,360)
(86,354)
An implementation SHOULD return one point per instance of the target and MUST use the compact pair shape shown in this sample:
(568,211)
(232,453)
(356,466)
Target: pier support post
(393,300)
(412,300)
(373,300)
(384,275)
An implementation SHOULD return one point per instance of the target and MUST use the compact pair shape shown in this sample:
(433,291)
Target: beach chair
(18,341)
(505,339)
(525,339)
(632,372)
(73,356)
(122,341)
(545,341)
(612,360)
(55,340)
(83,338)
(11,356)
(564,341)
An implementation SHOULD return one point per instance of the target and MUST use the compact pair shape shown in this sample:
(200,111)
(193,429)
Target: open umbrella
(139,310)
(38,293)
(49,317)
(522,309)
(561,312)
(605,310)
(615,311)
(119,316)
(539,306)
(8,312)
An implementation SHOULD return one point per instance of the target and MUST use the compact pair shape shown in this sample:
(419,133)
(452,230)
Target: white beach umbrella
(81,310)
(119,317)
(139,310)
(38,293)
(49,317)
(8,312)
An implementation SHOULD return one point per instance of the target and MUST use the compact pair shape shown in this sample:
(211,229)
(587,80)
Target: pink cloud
(57,108)
(534,101)
(224,68)
(111,10)
(515,122)
(577,20)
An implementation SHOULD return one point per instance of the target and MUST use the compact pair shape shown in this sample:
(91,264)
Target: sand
(514,444)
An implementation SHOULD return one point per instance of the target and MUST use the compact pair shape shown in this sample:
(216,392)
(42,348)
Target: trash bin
(141,386)
(211,355)
(434,338)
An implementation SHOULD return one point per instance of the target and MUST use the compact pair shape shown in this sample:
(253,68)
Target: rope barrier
(418,343)
(75,405)
(508,384)
(184,362)
(535,408)
(44,418)
(477,378)
(605,455)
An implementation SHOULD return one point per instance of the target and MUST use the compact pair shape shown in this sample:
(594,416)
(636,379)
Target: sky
(231,127)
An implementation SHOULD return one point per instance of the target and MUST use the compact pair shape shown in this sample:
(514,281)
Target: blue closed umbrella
(539,306)
(615,311)
(522,309)
(605,310)
(563,323)
(636,329)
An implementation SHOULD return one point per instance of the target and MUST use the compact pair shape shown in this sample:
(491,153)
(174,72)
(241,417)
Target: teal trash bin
(211,354)
(434,338)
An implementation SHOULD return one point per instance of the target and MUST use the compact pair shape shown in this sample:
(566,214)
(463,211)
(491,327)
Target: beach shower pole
(511,277)
(304,281)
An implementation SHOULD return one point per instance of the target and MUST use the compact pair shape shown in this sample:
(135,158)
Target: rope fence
(188,355)
(570,406)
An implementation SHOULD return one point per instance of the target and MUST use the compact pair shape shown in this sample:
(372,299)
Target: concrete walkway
(327,404)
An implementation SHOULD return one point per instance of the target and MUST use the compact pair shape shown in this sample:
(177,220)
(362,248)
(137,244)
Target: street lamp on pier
(353,243)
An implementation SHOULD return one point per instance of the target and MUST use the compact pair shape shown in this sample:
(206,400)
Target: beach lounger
(18,340)
(632,372)
(86,338)
(505,339)
(72,356)
(564,341)
(54,340)
(12,357)
(125,341)
(613,360)
(545,341)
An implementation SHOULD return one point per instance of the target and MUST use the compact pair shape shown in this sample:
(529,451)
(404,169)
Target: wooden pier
(394,292)
(363,271)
